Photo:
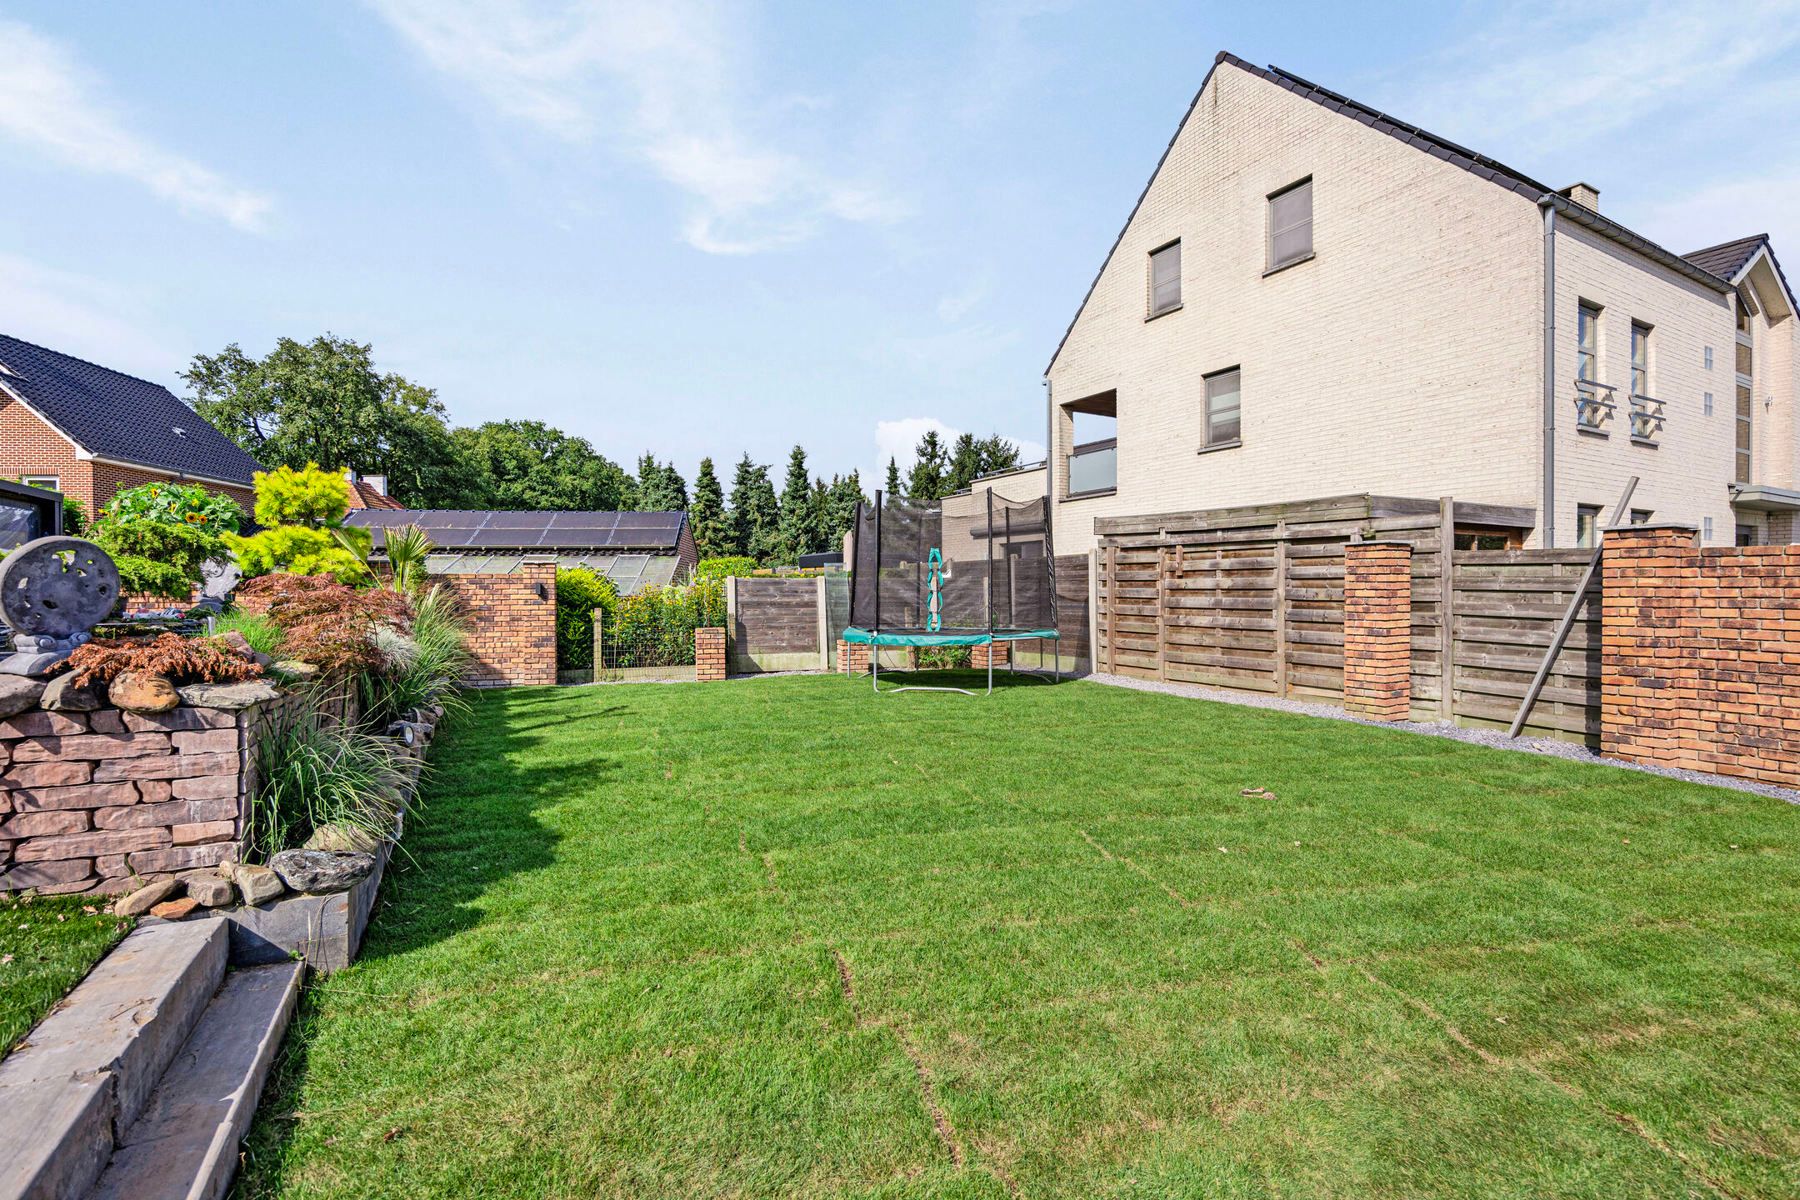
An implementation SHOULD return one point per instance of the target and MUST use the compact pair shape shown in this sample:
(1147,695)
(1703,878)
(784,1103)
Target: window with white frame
(1291,224)
(1640,359)
(1165,279)
(1587,526)
(1224,424)
(53,482)
(1587,342)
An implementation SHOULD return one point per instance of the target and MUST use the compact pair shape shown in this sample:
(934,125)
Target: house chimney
(1584,194)
(378,482)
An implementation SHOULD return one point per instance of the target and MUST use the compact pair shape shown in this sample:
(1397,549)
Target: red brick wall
(1378,629)
(30,447)
(709,654)
(852,658)
(998,653)
(90,801)
(512,629)
(1701,654)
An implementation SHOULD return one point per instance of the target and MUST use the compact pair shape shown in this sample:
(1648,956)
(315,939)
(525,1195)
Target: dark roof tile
(113,415)
(1728,258)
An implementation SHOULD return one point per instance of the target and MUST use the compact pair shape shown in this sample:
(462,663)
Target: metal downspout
(1547,511)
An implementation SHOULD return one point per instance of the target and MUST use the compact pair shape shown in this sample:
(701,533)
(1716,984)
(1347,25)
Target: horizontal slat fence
(1254,599)
(775,624)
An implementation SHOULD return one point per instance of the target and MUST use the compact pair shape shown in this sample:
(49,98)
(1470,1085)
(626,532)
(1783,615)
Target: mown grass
(783,938)
(47,944)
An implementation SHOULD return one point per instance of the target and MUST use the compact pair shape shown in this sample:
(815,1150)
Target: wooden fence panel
(775,625)
(1507,605)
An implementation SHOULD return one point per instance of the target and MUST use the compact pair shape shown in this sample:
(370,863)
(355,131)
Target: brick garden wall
(1701,654)
(90,800)
(1378,629)
(512,629)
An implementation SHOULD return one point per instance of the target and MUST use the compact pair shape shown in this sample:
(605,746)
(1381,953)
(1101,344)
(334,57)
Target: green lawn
(47,943)
(784,938)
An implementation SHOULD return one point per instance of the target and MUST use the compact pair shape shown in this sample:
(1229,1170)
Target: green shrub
(298,550)
(157,557)
(725,568)
(579,592)
(422,667)
(308,496)
(187,504)
(303,514)
(656,626)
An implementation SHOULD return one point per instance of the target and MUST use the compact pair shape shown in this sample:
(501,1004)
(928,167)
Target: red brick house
(89,432)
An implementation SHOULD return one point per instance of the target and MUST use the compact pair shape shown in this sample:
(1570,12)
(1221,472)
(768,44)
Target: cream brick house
(1312,298)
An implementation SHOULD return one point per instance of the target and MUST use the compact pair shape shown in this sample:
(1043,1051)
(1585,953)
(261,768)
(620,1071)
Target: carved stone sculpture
(53,591)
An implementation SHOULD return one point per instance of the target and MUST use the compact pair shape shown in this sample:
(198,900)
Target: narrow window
(1587,343)
(1744,428)
(1223,426)
(1640,359)
(1708,357)
(1165,279)
(1290,224)
(1706,403)
(1706,529)
(1587,525)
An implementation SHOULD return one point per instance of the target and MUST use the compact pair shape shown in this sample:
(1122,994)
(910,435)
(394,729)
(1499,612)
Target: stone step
(186,1142)
(86,1071)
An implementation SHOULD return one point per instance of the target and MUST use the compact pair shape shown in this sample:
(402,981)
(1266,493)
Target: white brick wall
(1406,358)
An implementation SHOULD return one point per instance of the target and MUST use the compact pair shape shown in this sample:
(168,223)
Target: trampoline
(974,570)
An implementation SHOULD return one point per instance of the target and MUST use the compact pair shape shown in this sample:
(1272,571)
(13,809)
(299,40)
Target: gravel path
(1495,738)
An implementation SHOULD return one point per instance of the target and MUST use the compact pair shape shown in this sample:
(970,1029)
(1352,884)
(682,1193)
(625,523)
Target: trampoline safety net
(993,570)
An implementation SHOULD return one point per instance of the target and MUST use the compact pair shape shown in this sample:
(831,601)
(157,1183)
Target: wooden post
(1447,607)
(824,629)
(1112,610)
(1162,616)
(731,636)
(1281,607)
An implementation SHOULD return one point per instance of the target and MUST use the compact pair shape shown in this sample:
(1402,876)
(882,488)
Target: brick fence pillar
(852,658)
(709,654)
(1650,585)
(1378,629)
(998,654)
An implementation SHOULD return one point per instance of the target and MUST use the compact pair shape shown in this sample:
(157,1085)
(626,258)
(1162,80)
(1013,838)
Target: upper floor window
(1640,359)
(1587,526)
(1223,424)
(1290,224)
(1587,343)
(1165,279)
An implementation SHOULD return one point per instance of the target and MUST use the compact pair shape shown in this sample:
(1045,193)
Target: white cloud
(1547,77)
(665,81)
(50,103)
(89,318)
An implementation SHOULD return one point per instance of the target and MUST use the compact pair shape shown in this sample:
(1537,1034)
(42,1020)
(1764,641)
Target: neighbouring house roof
(364,495)
(119,417)
(1728,258)
(1438,147)
(632,549)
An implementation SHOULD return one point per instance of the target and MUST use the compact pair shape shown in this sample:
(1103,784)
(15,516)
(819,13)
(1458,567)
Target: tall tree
(841,500)
(531,465)
(997,454)
(965,463)
(892,486)
(323,401)
(711,525)
(925,484)
(660,487)
(799,527)
(755,512)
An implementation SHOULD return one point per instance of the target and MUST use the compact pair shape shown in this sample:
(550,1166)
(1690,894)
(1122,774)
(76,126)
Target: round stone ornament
(56,587)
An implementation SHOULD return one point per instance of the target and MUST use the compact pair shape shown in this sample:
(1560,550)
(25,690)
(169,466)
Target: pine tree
(841,500)
(892,486)
(798,531)
(755,513)
(660,487)
(674,488)
(818,516)
(997,454)
(925,485)
(965,464)
(711,525)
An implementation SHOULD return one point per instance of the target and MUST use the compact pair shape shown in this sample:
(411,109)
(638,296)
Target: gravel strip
(1494,738)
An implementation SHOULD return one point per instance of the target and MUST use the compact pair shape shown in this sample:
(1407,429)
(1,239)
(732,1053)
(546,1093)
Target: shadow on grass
(474,826)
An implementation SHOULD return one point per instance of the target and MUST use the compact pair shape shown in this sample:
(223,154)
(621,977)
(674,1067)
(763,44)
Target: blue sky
(700,229)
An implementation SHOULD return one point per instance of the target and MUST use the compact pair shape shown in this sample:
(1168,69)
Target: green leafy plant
(656,625)
(169,503)
(579,592)
(297,550)
(423,667)
(75,519)
(308,496)
(158,557)
(312,771)
(303,512)
(725,568)
(408,547)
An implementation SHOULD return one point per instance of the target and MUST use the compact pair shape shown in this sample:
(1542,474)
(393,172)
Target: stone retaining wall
(90,801)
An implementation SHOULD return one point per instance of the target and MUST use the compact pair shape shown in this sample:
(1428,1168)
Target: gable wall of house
(1405,358)
(1684,477)
(1777,429)
(28,446)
